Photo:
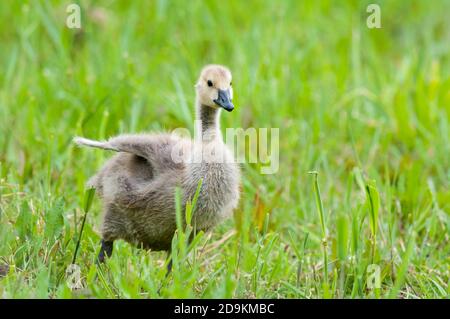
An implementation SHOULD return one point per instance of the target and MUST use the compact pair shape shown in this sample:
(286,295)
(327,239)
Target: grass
(368,109)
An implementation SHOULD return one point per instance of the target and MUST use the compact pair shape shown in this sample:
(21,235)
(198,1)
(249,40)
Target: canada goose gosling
(137,185)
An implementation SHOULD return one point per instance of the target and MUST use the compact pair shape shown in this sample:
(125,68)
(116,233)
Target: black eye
(231,83)
(210,83)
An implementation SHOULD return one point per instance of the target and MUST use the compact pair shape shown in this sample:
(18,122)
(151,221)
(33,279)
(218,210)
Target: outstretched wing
(157,149)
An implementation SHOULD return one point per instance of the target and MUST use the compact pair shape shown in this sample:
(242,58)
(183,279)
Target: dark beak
(224,100)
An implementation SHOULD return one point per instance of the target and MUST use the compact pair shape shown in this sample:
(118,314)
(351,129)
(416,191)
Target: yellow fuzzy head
(214,87)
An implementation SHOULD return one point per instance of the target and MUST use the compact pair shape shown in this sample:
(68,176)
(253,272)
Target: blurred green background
(368,109)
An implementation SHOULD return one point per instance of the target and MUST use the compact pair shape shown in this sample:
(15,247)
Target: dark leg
(169,265)
(105,250)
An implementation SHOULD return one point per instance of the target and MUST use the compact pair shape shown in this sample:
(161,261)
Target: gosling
(137,185)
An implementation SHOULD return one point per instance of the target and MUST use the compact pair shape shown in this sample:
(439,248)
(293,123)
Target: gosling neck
(208,123)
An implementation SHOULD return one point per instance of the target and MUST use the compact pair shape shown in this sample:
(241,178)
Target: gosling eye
(231,83)
(210,83)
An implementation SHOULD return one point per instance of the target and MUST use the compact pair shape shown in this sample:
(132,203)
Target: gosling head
(214,87)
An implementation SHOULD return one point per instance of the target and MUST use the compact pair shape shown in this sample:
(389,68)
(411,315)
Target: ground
(368,110)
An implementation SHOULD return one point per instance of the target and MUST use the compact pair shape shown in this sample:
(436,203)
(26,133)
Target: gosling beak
(224,100)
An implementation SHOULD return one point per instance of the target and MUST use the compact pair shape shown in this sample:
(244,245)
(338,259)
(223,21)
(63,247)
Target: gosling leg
(105,250)
(169,265)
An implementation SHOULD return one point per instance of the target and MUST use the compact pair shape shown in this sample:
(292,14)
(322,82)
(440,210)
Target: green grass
(368,110)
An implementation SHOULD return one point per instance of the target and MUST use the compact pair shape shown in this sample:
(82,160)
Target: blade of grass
(321,214)
(88,198)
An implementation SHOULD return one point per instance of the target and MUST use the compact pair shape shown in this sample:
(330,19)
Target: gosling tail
(81,141)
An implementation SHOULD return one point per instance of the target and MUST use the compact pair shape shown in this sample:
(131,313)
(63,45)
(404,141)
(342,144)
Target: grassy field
(367,109)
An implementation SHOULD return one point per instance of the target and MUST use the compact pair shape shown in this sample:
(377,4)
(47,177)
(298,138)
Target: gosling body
(137,185)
